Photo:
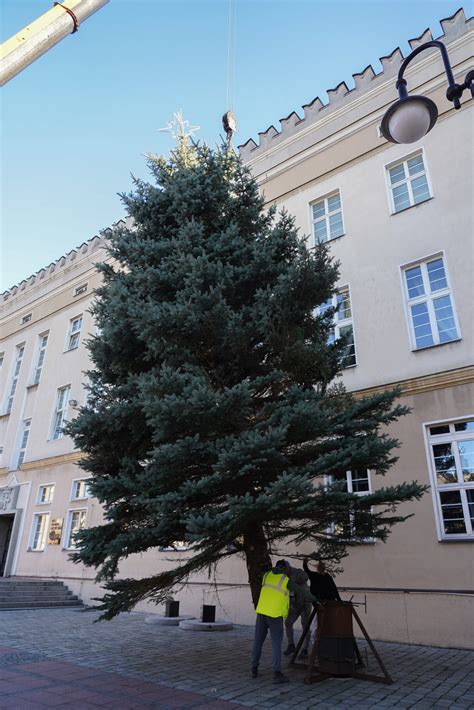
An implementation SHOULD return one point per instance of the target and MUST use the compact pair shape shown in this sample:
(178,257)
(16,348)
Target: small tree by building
(214,416)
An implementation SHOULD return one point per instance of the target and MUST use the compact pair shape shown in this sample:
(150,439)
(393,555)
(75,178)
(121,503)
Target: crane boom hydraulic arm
(22,49)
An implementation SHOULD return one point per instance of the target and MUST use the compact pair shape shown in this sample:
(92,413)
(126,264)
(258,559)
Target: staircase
(31,593)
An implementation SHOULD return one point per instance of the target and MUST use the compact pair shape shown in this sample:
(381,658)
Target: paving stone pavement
(125,663)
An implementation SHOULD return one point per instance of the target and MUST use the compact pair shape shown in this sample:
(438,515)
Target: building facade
(399,220)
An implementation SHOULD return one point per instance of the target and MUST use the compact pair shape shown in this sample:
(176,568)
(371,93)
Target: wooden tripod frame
(313,674)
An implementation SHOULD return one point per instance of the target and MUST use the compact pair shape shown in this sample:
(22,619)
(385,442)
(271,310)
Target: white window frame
(42,540)
(429,297)
(19,355)
(39,359)
(87,492)
(389,186)
(344,322)
(436,488)
(23,436)
(179,546)
(350,484)
(70,514)
(42,486)
(71,342)
(330,480)
(56,423)
(326,216)
(79,290)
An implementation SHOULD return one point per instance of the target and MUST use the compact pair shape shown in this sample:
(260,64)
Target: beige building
(399,220)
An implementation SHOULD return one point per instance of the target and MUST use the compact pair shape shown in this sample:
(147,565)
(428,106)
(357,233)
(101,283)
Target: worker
(321,583)
(272,609)
(324,588)
(300,606)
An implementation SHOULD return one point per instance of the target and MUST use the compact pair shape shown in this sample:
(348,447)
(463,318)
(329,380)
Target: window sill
(70,350)
(3,416)
(461,538)
(33,386)
(418,204)
(365,541)
(436,345)
(78,500)
(329,241)
(31,550)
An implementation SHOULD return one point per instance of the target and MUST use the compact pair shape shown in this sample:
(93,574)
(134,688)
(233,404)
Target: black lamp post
(412,117)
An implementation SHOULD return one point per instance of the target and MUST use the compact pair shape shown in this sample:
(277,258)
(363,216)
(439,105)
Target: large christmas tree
(213,417)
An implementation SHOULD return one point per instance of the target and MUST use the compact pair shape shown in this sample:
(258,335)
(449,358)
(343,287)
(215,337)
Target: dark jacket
(322,585)
(300,590)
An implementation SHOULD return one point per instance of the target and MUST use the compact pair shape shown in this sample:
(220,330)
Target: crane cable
(228,119)
(231,45)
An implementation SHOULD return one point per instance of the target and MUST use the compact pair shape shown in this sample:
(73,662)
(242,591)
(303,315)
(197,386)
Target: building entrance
(6,527)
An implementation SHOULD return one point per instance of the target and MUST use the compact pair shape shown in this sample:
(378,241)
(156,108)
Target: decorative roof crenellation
(453,27)
(66,260)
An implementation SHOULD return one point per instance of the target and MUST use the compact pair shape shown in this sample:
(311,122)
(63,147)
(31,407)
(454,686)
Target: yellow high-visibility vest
(274,597)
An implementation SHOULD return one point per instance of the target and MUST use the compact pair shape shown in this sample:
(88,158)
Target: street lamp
(412,117)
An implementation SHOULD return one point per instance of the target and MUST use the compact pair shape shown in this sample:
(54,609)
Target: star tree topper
(180,129)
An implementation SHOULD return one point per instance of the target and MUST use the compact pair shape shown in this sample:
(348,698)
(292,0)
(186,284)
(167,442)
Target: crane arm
(35,39)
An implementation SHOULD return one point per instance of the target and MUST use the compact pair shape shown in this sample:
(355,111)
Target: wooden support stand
(347,666)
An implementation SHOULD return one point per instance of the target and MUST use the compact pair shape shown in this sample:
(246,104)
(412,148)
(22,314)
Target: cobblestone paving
(211,670)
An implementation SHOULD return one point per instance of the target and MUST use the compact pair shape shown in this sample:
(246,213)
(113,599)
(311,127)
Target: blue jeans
(262,625)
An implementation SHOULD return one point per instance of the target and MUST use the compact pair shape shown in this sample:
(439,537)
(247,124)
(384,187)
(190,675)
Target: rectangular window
(356,481)
(327,218)
(45,493)
(430,306)
(80,489)
(23,442)
(452,475)
(43,341)
(26,319)
(20,351)
(74,333)
(39,531)
(59,416)
(2,355)
(408,183)
(177,546)
(80,289)
(343,323)
(76,522)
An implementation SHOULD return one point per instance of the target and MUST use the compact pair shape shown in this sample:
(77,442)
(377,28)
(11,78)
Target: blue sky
(77,122)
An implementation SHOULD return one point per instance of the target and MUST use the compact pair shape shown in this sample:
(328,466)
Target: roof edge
(453,27)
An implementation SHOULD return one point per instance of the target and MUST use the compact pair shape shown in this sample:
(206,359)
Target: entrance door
(6,526)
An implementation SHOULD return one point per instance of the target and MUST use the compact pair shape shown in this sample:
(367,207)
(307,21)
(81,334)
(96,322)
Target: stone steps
(29,585)
(5,606)
(29,596)
(32,594)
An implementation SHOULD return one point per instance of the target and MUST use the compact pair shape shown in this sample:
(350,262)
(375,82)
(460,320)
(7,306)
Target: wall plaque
(8,498)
